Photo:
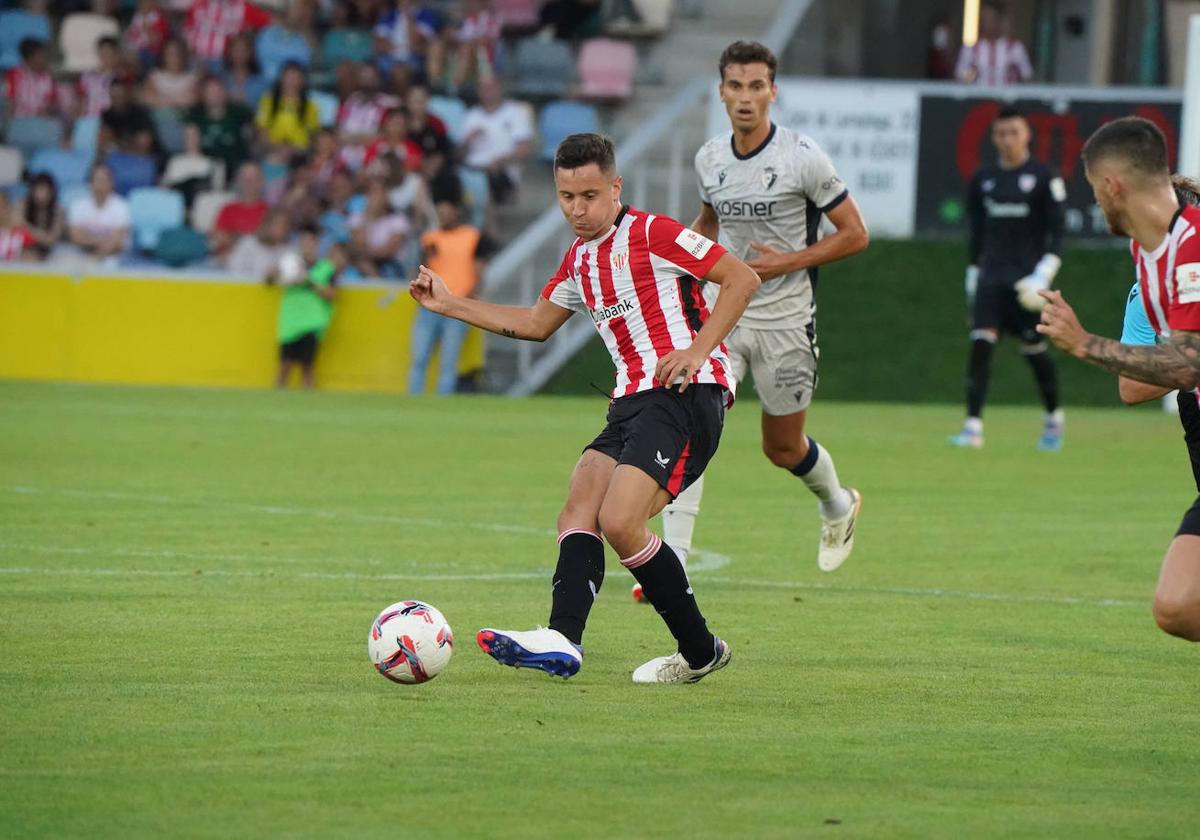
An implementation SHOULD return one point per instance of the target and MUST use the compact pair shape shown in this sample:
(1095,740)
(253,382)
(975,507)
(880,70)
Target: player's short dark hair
(578,150)
(1134,140)
(1009,112)
(1187,190)
(747,52)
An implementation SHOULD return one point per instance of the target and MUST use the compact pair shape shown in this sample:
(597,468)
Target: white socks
(679,520)
(820,476)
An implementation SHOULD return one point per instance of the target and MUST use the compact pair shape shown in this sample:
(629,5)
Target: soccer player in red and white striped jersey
(1127,166)
(636,276)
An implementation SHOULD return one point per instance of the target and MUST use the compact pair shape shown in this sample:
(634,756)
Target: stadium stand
(12,163)
(154,210)
(560,118)
(15,27)
(606,69)
(77,40)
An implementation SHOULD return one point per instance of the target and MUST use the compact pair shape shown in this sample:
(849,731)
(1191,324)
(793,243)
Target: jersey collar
(616,224)
(756,150)
(1162,246)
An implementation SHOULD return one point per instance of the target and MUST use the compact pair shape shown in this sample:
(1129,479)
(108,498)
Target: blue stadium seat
(558,119)
(327,106)
(475,195)
(131,171)
(85,134)
(32,133)
(544,68)
(154,210)
(15,27)
(451,111)
(346,45)
(275,47)
(181,246)
(64,166)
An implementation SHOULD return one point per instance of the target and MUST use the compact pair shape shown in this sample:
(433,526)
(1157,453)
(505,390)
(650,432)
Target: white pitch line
(702,561)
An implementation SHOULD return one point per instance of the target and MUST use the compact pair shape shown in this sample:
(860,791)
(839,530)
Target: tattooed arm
(1175,364)
(532,323)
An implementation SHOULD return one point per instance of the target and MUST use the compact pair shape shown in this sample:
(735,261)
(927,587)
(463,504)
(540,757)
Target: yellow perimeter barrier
(196,330)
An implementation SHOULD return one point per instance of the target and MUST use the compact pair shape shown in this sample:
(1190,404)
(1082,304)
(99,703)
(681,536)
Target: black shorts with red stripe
(667,435)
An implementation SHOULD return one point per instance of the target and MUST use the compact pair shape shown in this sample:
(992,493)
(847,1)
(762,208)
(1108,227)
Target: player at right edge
(764,190)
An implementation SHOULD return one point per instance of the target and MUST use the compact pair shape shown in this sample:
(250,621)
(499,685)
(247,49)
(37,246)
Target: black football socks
(664,583)
(577,580)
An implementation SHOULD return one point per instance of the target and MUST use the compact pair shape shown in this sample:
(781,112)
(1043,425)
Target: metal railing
(517,272)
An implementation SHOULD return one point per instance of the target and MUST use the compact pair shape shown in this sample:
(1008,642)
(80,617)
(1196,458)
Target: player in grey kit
(764,189)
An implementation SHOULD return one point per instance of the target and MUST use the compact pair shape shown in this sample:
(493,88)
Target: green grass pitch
(187,579)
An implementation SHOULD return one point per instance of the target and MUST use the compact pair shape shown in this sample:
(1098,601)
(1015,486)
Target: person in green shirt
(218,128)
(306,307)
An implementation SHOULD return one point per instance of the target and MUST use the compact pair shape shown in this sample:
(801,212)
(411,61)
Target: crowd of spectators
(308,115)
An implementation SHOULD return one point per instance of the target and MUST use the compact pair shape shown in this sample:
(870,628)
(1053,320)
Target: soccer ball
(291,269)
(410,642)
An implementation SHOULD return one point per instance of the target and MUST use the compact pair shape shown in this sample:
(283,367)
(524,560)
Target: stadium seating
(153,210)
(475,195)
(77,40)
(341,45)
(68,194)
(517,16)
(561,118)
(655,18)
(12,163)
(66,167)
(85,134)
(130,171)
(544,69)
(207,206)
(452,112)
(32,133)
(327,106)
(181,246)
(606,69)
(16,26)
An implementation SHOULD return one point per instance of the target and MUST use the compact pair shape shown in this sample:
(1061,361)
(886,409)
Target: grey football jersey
(775,195)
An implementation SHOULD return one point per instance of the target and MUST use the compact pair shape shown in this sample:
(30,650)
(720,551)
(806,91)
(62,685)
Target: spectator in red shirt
(15,241)
(243,216)
(30,89)
(393,143)
(210,23)
(147,32)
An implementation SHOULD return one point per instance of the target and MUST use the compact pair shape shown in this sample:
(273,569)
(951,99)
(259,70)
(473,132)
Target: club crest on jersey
(769,177)
(1027,182)
(721,176)
(1187,283)
(988,185)
(620,259)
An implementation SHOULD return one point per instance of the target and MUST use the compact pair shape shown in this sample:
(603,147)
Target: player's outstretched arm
(1175,364)
(849,238)
(738,284)
(534,323)
(1133,392)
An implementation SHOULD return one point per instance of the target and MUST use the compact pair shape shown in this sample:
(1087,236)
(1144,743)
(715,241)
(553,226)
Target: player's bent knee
(1178,617)
(621,530)
(785,457)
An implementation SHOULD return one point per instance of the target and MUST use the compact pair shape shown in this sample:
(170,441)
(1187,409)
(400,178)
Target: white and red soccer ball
(410,642)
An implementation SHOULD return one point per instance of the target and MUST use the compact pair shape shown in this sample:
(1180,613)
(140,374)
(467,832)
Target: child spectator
(98,222)
(287,119)
(30,89)
(379,234)
(172,86)
(16,242)
(125,125)
(218,128)
(256,254)
(211,23)
(241,217)
(457,252)
(42,215)
(306,308)
(94,84)
(148,31)
(243,77)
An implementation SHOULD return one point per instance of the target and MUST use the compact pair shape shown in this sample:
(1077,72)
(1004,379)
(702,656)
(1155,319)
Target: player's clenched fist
(429,290)
(679,364)
(1061,325)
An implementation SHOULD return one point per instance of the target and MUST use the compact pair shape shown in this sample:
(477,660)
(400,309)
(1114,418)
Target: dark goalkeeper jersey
(1016,216)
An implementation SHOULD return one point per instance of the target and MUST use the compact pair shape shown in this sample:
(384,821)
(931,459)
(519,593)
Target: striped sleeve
(1183,312)
(562,290)
(682,246)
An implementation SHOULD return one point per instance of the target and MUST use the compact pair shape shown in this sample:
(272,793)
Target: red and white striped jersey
(1169,276)
(638,282)
(33,94)
(211,23)
(1002,61)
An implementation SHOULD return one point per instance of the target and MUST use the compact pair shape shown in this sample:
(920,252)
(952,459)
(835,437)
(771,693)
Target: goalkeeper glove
(1027,288)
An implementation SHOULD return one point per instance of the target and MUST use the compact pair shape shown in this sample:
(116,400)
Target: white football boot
(837,536)
(543,648)
(675,669)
